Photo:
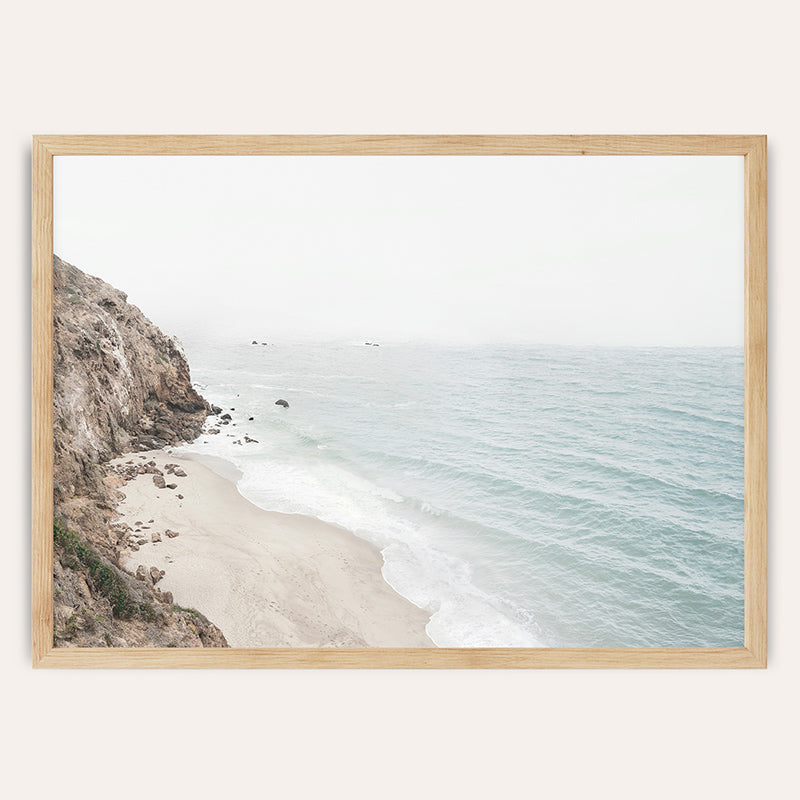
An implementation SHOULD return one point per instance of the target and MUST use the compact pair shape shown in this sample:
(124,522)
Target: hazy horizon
(614,251)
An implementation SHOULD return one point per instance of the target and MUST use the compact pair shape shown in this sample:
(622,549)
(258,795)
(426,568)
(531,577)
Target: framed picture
(399,401)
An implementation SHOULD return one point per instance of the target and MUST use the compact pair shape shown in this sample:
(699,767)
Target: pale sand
(265,579)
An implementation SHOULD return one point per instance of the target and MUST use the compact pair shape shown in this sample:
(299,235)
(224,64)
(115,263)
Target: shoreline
(265,578)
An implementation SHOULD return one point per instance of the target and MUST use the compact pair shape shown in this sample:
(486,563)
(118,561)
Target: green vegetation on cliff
(105,580)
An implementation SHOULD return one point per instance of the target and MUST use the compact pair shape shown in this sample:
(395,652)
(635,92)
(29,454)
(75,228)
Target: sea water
(524,496)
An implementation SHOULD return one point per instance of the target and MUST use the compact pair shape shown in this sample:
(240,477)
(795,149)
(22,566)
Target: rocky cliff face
(119,385)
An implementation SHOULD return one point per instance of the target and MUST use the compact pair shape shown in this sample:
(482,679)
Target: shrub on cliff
(105,580)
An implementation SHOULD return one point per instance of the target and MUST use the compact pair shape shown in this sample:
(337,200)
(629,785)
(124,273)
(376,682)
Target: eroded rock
(119,385)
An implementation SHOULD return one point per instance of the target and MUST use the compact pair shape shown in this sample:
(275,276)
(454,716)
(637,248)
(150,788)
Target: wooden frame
(754,652)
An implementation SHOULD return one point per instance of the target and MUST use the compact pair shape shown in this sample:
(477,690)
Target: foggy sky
(554,250)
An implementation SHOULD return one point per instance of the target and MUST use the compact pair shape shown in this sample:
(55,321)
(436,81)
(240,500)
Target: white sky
(632,250)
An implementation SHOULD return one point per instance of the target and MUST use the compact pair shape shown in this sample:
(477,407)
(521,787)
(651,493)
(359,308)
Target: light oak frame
(754,653)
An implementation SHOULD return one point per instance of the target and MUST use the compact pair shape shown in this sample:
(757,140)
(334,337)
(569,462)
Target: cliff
(119,385)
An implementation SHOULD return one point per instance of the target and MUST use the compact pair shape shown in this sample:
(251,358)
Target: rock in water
(282,403)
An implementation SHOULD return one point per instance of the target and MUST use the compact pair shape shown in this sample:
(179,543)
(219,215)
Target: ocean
(524,496)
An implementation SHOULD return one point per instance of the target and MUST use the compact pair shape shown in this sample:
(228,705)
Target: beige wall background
(422,66)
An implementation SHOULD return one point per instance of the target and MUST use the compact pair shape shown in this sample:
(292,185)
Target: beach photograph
(398,401)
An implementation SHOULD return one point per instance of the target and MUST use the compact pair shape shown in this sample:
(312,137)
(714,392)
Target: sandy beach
(266,579)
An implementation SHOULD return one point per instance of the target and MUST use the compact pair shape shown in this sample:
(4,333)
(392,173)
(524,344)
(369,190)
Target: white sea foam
(462,615)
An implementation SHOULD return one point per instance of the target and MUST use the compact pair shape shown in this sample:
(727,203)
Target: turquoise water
(525,496)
